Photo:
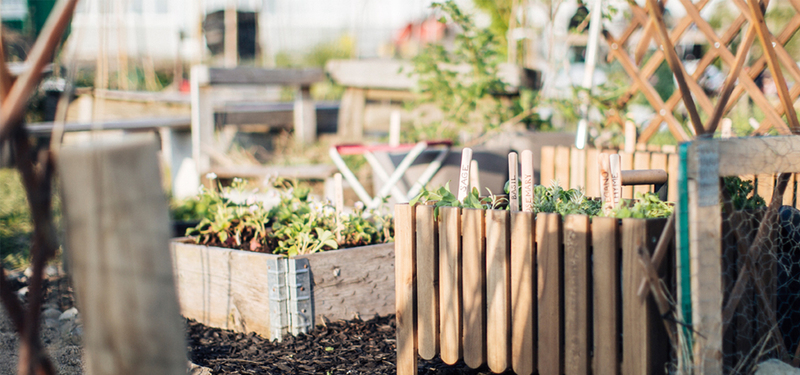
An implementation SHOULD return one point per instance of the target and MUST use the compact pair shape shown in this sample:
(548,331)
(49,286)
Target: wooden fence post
(404,289)
(117,241)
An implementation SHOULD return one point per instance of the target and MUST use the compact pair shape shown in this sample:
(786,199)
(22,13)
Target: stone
(22,292)
(28,272)
(51,271)
(51,313)
(198,370)
(70,314)
(776,367)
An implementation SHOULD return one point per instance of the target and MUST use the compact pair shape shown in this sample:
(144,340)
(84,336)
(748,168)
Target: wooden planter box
(530,293)
(268,294)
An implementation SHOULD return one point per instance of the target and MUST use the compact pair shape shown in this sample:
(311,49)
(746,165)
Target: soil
(345,347)
(352,347)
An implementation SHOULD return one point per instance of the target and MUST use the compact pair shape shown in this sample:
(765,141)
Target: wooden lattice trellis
(750,24)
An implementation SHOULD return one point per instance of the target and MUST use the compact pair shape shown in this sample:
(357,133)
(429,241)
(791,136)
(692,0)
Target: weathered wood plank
(641,160)
(244,75)
(547,169)
(450,284)
(606,273)
(765,184)
(549,260)
(474,281)
(577,172)
(523,287)
(205,276)
(577,325)
(562,165)
(427,282)
(626,164)
(592,176)
(405,223)
(759,155)
(788,196)
(344,289)
(498,290)
(117,226)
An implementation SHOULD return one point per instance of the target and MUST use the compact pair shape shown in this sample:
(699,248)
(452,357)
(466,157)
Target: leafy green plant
(442,197)
(298,224)
(555,199)
(645,206)
(742,195)
(463,95)
(189,209)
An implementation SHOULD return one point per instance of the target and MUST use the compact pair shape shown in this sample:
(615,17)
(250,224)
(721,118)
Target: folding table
(390,185)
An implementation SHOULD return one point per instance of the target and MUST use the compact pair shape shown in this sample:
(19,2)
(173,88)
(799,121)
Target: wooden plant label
(338,193)
(606,190)
(474,175)
(463,175)
(527,180)
(513,188)
(615,172)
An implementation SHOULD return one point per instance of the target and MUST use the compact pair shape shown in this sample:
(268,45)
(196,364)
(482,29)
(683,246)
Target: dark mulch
(346,347)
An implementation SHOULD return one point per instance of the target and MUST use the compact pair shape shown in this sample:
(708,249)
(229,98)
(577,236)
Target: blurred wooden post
(630,137)
(117,241)
(231,35)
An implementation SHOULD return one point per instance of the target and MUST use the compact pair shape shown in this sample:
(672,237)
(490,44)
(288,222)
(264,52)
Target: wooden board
(672,164)
(547,170)
(626,164)
(641,160)
(562,166)
(523,287)
(498,290)
(474,281)
(755,156)
(577,177)
(405,220)
(450,284)
(207,276)
(244,75)
(344,289)
(606,295)
(117,226)
(789,194)
(577,325)
(592,177)
(549,260)
(636,354)
(765,184)
(427,282)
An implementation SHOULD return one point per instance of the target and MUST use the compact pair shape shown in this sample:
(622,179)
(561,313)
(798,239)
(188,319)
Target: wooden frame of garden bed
(231,289)
(706,161)
(524,292)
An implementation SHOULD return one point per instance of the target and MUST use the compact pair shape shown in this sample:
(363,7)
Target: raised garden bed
(241,290)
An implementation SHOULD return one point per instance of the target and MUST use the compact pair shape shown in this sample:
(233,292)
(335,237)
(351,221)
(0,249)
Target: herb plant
(646,206)
(298,224)
(555,199)
(742,195)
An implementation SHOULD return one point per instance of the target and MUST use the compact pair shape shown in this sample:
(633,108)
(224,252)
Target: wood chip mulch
(346,347)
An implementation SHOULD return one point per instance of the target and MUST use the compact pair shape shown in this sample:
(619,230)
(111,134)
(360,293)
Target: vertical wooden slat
(672,185)
(427,263)
(404,289)
(797,191)
(577,327)
(562,163)
(474,281)
(592,178)
(577,172)
(765,184)
(606,280)
(641,160)
(635,350)
(523,287)
(788,196)
(498,290)
(549,260)
(547,168)
(659,161)
(450,284)
(626,164)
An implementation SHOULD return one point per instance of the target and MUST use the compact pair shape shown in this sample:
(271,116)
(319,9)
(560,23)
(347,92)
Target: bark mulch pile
(345,347)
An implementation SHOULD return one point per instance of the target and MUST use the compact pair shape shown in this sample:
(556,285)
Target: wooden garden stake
(474,176)
(338,193)
(463,176)
(615,177)
(527,181)
(394,128)
(118,238)
(513,188)
(606,190)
